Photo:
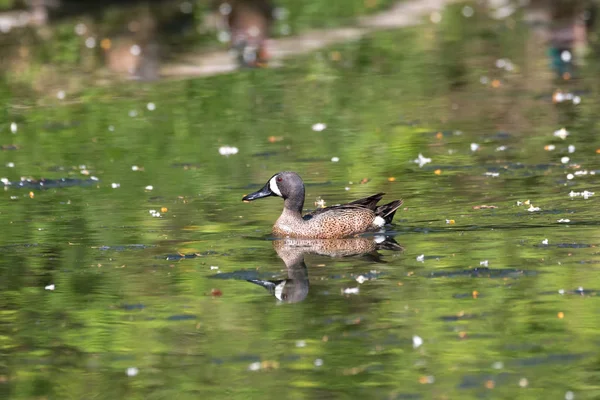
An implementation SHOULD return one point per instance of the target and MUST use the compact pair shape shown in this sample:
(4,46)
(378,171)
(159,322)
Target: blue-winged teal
(340,221)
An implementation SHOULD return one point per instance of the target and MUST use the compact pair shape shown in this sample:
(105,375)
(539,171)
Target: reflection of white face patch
(274,187)
(279,290)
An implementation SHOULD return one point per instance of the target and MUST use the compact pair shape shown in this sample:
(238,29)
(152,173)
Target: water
(136,285)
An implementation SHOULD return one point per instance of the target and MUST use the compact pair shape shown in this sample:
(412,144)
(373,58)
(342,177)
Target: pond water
(144,275)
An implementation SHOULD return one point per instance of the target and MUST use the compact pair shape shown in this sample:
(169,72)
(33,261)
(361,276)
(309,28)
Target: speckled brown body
(328,225)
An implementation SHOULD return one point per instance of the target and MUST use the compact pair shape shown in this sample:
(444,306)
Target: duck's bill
(264,192)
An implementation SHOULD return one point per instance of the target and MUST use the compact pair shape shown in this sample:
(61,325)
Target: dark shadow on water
(295,287)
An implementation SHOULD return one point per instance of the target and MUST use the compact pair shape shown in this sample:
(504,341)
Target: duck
(335,222)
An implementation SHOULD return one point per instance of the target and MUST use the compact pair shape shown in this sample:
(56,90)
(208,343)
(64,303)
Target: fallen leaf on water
(31,195)
(439,135)
(496,83)
(273,139)
(216,293)
(391,179)
(437,172)
(164,209)
(364,180)
(561,315)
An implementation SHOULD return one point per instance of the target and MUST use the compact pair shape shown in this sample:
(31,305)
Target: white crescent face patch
(273,186)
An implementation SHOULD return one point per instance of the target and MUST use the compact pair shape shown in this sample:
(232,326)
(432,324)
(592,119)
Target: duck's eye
(279,179)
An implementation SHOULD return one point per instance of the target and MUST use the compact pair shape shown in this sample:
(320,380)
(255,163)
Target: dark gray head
(287,185)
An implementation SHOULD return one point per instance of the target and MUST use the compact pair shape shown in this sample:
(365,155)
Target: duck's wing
(366,202)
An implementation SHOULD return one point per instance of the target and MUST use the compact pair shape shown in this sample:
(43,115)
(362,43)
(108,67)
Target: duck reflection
(292,251)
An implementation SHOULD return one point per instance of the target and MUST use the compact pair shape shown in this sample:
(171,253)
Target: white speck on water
(474,147)
(421,258)
(80,29)
(5,181)
(483,263)
(500,148)
(355,290)
(417,341)
(335,159)
(149,187)
(561,291)
(255,366)
(421,160)
(111,128)
(10,165)
(94,178)
(561,133)
(301,343)
(492,174)
(435,17)
(115,185)
(523,382)
(484,80)
(318,362)
(60,94)
(151,106)
(90,42)
(566,56)
(570,176)
(550,147)
(571,148)
(132,371)
(468,11)
(213,267)
(563,220)
(576,100)
(347,188)
(228,150)
(135,50)
(500,63)
(569,395)
(498,365)
(135,168)
(50,287)
(319,127)
(133,113)
(13,127)
(533,209)
(580,289)
(586,195)
(545,242)
(565,160)
(361,279)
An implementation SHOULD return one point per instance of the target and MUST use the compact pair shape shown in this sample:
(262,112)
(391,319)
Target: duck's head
(287,185)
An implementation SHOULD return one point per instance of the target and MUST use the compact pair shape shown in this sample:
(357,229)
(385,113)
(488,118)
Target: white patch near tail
(274,187)
(378,221)
(279,290)
(379,238)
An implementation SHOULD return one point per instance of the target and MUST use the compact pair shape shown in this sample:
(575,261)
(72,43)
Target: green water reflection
(130,317)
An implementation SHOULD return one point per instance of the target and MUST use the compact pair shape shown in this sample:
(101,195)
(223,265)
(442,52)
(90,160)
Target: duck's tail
(388,210)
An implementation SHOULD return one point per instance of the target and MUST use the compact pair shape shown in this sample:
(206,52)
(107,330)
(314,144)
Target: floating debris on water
(319,127)
(417,341)
(13,127)
(545,242)
(570,176)
(450,222)
(474,146)
(335,159)
(154,213)
(228,150)
(500,148)
(132,371)
(351,290)
(421,160)
(151,106)
(533,209)
(483,263)
(318,362)
(115,185)
(565,160)
(563,220)
(585,194)
(319,202)
(255,366)
(492,174)
(549,147)
(50,287)
(561,133)
(421,258)
(571,149)
(361,279)
(149,187)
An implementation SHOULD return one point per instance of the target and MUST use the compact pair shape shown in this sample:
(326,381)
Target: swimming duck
(360,216)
